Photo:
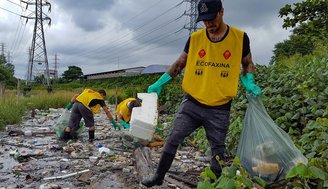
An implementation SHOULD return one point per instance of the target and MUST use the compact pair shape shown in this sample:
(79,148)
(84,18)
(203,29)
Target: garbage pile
(32,156)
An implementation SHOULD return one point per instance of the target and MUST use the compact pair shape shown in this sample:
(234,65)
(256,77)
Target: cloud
(86,14)
(103,35)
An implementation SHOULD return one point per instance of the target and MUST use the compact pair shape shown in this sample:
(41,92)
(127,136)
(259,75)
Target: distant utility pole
(56,63)
(192,13)
(38,52)
(8,57)
(2,55)
(2,49)
(29,72)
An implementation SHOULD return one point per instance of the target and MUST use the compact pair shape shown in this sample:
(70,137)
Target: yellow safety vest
(213,68)
(87,96)
(123,108)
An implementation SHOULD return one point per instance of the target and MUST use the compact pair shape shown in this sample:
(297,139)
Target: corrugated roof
(155,69)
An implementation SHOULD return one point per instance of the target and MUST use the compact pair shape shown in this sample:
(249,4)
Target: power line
(18,37)
(18,30)
(142,12)
(148,46)
(156,39)
(127,57)
(124,22)
(10,11)
(126,35)
(130,51)
(14,3)
(142,35)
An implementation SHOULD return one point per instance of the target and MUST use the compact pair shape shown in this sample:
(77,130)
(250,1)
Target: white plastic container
(93,159)
(103,150)
(144,119)
(28,133)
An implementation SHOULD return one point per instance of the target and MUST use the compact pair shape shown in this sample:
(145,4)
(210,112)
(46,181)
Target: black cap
(208,9)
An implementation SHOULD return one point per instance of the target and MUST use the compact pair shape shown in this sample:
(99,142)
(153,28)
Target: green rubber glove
(157,86)
(125,124)
(249,83)
(68,106)
(115,125)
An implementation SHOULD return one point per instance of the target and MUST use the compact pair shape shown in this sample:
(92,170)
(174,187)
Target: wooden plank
(144,165)
(182,179)
(177,183)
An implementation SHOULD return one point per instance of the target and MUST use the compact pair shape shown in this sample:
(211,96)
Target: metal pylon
(38,60)
(192,13)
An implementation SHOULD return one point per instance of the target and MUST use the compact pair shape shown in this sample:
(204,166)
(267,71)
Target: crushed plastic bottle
(17,155)
(28,133)
(103,150)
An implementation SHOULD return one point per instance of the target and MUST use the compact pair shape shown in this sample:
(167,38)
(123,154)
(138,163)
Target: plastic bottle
(103,150)
(28,133)
(17,155)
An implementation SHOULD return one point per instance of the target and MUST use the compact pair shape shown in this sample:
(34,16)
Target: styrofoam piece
(144,119)
(142,133)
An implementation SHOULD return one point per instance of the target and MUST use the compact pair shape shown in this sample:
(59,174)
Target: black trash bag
(264,149)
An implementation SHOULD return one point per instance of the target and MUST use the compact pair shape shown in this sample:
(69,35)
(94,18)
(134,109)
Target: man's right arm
(71,102)
(74,97)
(178,65)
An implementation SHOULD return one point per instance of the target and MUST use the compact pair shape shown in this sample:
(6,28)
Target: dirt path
(44,161)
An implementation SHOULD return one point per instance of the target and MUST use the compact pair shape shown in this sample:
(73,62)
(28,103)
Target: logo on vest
(212,64)
(201,53)
(227,54)
(203,8)
(199,72)
(224,74)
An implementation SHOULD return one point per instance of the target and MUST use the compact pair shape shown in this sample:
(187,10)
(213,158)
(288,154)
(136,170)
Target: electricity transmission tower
(192,13)
(38,61)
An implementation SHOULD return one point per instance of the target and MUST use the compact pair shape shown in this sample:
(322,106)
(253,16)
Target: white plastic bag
(62,123)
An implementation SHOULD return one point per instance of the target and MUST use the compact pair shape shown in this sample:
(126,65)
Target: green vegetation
(12,109)
(73,73)
(295,96)
(6,73)
(308,19)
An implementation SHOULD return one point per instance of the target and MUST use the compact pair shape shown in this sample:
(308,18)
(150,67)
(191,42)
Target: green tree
(7,72)
(40,79)
(73,73)
(296,44)
(2,60)
(311,12)
(11,68)
(309,20)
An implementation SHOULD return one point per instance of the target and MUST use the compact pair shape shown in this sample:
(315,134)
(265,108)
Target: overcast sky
(105,35)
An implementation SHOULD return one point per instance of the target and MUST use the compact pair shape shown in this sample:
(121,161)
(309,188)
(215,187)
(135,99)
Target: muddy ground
(32,156)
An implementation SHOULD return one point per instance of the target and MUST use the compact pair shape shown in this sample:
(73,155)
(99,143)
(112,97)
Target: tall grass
(10,111)
(13,108)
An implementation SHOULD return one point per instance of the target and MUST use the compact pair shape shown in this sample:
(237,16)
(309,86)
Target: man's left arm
(248,77)
(110,116)
(108,113)
(247,64)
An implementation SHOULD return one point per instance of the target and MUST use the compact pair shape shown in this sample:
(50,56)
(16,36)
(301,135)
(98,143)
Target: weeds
(13,108)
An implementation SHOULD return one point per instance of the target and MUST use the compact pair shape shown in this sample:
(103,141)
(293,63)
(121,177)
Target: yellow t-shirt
(213,68)
(122,108)
(87,96)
